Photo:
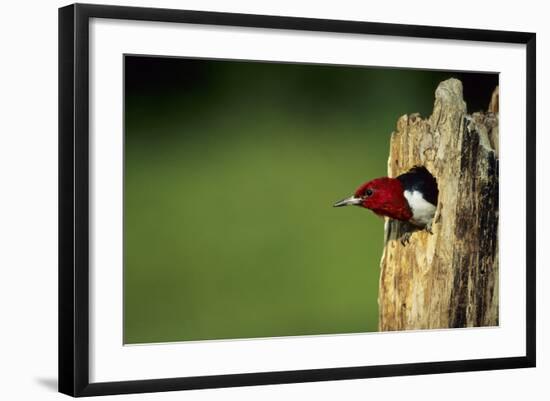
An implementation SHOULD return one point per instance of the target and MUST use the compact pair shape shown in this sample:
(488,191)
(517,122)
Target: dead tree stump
(448,278)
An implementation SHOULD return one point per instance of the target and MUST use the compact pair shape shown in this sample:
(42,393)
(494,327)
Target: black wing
(420,179)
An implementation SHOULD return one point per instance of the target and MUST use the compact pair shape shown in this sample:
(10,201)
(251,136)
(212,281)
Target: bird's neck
(393,203)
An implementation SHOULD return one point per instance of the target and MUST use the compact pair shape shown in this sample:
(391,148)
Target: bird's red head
(384,196)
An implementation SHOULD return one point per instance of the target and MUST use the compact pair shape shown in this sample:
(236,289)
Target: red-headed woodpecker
(410,197)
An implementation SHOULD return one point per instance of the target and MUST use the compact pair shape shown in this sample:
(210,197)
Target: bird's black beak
(352,200)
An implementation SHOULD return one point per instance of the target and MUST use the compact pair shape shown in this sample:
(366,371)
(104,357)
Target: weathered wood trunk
(448,278)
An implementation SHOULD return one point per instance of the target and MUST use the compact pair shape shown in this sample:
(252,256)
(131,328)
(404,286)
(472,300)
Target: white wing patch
(423,211)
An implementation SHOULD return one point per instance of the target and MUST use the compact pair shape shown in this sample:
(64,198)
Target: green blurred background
(231,170)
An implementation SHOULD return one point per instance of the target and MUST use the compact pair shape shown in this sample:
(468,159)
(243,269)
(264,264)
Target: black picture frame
(74,198)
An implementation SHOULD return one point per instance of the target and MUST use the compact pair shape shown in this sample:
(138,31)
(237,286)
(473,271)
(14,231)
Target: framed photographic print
(250,199)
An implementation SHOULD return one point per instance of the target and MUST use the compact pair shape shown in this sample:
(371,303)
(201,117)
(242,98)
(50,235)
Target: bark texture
(448,278)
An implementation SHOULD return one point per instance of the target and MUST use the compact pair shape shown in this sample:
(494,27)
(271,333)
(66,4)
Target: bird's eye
(368,192)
